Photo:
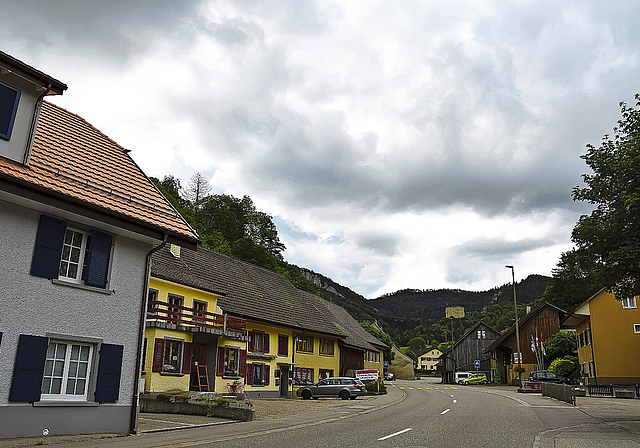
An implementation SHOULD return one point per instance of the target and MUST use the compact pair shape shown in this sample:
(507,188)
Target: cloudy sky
(397,144)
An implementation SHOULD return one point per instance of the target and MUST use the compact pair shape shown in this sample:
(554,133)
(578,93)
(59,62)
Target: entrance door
(198,358)
(284,381)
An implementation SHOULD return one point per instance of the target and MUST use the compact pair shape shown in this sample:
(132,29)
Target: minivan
(459,376)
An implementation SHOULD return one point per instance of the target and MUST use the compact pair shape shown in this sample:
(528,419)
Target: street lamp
(515,306)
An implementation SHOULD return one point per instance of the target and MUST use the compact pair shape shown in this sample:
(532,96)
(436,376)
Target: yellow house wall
(372,365)
(584,353)
(429,365)
(615,344)
(164,288)
(221,383)
(273,351)
(316,361)
(154,381)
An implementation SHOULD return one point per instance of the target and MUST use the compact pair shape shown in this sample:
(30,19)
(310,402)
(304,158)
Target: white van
(459,376)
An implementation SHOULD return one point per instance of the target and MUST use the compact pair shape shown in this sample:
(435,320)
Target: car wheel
(344,394)
(306,394)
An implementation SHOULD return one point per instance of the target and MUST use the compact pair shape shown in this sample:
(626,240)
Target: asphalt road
(420,413)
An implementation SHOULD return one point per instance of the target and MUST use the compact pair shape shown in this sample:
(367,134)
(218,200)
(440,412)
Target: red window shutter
(267,374)
(250,344)
(158,355)
(266,342)
(250,373)
(220,364)
(243,363)
(186,358)
(283,345)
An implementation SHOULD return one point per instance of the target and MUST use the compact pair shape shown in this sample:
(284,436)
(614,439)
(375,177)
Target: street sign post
(476,363)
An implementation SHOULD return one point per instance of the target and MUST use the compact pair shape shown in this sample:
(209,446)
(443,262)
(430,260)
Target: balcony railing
(181,315)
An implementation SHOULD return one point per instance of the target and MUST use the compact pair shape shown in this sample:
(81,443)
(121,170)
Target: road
(425,414)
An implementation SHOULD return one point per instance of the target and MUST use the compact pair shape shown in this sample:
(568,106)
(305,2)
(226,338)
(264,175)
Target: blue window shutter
(98,262)
(28,369)
(48,248)
(109,370)
(9,99)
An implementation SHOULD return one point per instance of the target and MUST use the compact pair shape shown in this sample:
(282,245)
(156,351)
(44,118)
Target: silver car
(343,387)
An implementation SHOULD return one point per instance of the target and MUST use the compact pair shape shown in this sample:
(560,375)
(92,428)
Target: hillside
(430,304)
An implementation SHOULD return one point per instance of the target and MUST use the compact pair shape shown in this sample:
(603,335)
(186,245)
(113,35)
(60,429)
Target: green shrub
(562,367)
(374,387)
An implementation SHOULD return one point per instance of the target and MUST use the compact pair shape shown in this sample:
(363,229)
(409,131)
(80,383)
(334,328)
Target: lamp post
(515,306)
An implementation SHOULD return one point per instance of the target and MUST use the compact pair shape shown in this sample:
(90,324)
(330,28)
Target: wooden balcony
(194,320)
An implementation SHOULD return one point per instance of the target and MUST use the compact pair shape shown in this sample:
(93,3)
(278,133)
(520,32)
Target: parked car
(547,377)
(476,379)
(343,387)
(389,376)
(459,376)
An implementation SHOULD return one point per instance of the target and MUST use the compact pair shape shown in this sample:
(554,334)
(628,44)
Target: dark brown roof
(73,164)
(246,290)
(356,335)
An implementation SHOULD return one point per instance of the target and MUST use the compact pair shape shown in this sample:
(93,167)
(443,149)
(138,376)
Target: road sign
(385,364)
(476,363)
(367,375)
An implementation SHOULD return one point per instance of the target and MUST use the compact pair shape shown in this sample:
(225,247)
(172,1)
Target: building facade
(78,220)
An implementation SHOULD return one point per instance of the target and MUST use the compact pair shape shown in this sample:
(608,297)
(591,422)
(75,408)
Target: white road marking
(445,411)
(395,434)
(455,401)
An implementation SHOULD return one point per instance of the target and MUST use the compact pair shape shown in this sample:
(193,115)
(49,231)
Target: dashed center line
(395,434)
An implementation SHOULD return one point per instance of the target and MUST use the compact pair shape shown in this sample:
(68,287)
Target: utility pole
(515,306)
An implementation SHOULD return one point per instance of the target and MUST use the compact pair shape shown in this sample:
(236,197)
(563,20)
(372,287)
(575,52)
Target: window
(152,307)
(62,370)
(66,371)
(283,345)
(258,342)
(302,375)
(231,362)
(304,344)
(172,362)
(482,334)
(175,311)
(9,98)
(326,347)
(629,302)
(70,254)
(172,356)
(325,373)
(636,328)
(199,311)
(258,374)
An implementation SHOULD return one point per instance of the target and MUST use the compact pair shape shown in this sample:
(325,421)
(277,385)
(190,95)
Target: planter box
(232,409)
(624,394)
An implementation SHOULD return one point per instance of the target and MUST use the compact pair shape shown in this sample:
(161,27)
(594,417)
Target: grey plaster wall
(37,306)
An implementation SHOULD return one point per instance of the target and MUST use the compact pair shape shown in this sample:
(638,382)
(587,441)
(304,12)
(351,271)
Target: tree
(609,237)
(563,367)
(562,344)
(197,189)
(416,344)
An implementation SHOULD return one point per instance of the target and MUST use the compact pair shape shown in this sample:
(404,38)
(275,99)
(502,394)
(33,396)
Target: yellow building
(235,327)
(428,360)
(608,333)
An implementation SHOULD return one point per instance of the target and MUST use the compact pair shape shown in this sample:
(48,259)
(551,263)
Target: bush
(374,387)
(563,367)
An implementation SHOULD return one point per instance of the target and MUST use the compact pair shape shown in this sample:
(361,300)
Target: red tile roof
(73,161)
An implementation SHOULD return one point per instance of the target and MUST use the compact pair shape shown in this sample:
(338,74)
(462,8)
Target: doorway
(198,358)
(284,381)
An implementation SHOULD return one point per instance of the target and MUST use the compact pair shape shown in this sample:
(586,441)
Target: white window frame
(63,395)
(234,370)
(636,328)
(629,303)
(82,263)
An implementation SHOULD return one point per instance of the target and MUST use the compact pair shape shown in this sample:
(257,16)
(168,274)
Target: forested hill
(430,304)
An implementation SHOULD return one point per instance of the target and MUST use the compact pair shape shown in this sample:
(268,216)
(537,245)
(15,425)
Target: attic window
(9,98)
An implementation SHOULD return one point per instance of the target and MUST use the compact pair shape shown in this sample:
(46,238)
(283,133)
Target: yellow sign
(454,311)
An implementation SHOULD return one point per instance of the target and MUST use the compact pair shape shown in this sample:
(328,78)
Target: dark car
(544,376)
(343,387)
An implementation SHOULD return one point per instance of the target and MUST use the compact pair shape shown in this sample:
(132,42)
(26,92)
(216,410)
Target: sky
(414,144)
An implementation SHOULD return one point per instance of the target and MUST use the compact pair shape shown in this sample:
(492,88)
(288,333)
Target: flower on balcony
(519,369)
